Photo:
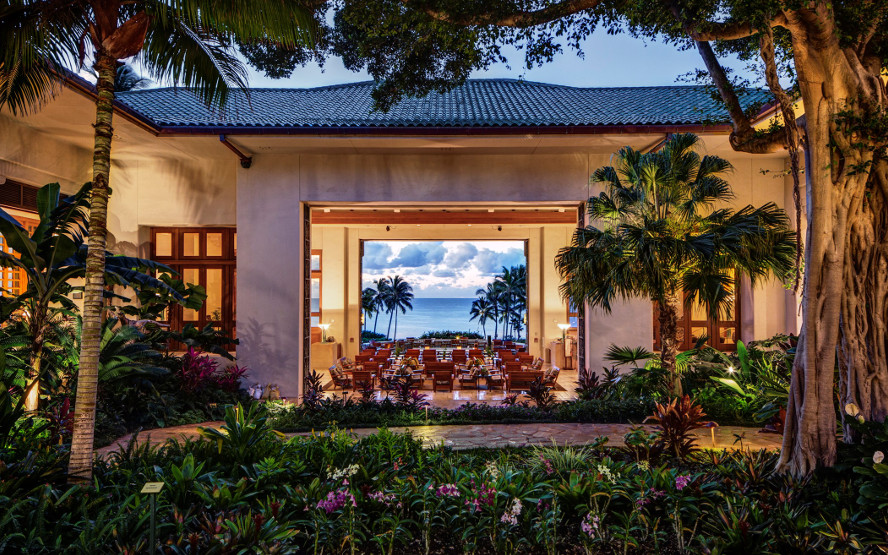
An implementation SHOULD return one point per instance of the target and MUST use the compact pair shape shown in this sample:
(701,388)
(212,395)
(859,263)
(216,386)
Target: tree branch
(793,138)
(730,30)
(519,18)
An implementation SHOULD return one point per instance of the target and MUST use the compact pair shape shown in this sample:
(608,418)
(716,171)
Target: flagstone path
(502,435)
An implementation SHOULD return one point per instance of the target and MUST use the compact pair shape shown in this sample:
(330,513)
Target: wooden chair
(459,357)
(476,353)
(442,381)
(412,353)
(468,379)
(383,353)
(521,380)
(525,359)
(510,367)
(361,359)
(429,355)
(550,377)
(340,379)
(361,377)
(495,380)
(372,367)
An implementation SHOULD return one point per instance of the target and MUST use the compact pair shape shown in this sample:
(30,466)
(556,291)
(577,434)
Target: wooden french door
(694,324)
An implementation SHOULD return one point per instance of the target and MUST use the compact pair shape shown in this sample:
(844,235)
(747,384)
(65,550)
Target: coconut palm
(398,296)
(657,234)
(368,304)
(512,286)
(492,294)
(379,299)
(483,311)
(184,41)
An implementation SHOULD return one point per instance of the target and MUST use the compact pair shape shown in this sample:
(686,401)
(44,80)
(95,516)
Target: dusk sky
(610,61)
(440,268)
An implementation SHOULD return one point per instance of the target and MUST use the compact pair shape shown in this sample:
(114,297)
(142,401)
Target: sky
(610,61)
(438,269)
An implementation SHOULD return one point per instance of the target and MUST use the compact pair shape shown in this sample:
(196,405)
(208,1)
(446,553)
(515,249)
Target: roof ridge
(366,83)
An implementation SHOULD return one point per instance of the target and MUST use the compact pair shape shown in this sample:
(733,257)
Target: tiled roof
(477,103)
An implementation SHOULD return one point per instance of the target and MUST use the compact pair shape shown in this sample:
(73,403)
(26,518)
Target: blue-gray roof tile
(477,103)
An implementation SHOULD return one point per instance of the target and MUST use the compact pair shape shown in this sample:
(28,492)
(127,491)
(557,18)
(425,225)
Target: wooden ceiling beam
(437,217)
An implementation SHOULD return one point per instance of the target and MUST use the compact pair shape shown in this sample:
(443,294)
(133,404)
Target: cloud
(460,255)
(492,262)
(419,254)
(445,273)
(376,255)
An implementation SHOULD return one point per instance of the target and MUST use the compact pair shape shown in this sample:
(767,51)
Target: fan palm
(399,296)
(184,41)
(657,234)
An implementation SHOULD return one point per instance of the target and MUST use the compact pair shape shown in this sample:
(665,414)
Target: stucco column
(270,273)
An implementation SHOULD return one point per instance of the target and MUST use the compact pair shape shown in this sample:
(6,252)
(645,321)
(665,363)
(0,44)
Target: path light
(731,370)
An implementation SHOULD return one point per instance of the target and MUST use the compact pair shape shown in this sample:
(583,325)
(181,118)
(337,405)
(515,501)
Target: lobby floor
(564,391)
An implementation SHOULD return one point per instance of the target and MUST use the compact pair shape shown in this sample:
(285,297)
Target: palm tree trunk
(376,319)
(388,332)
(396,326)
(80,464)
(669,341)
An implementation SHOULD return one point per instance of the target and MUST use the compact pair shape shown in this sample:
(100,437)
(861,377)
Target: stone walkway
(504,435)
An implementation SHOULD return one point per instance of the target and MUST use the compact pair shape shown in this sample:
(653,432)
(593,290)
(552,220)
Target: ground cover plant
(246,489)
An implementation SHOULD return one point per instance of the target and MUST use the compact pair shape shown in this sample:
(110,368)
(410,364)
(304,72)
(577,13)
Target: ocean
(430,314)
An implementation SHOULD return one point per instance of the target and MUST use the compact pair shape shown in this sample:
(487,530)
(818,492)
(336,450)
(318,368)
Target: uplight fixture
(731,370)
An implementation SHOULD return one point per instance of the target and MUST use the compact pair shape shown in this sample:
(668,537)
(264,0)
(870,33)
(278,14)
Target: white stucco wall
(194,181)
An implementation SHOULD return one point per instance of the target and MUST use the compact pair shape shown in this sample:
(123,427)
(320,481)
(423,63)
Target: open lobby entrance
(408,293)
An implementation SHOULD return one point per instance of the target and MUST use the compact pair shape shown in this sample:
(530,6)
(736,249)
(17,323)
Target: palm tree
(660,235)
(368,304)
(379,299)
(399,296)
(184,41)
(512,287)
(492,294)
(483,311)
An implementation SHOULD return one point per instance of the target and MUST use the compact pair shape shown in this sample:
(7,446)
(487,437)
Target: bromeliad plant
(676,422)
(656,233)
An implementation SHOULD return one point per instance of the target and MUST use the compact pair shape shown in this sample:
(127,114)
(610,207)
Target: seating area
(443,369)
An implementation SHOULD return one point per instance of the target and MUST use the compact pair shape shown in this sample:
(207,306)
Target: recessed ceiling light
(490,209)
(470,225)
(561,209)
(418,225)
(326,210)
(397,210)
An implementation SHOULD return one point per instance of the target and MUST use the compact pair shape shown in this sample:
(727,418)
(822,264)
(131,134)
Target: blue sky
(610,61)
(440,268)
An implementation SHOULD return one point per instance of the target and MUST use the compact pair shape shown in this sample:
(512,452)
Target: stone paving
(505,435)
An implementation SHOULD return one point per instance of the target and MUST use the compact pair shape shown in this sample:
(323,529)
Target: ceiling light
(490,210)
(561,209)
(470,225)
(326,210)
(397,210)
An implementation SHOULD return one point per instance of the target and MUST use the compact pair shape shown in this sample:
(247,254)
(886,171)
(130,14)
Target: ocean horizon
(432,314)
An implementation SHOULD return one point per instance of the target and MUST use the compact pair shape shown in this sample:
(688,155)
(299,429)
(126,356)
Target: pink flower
(681,482)
(447,490)
(589,526)
(336,500)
